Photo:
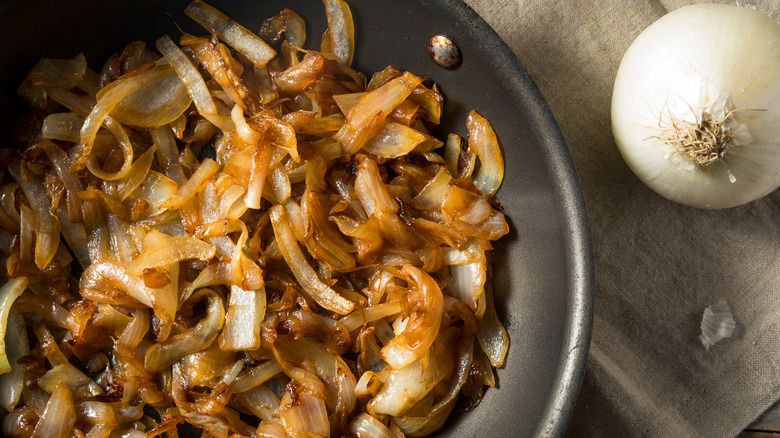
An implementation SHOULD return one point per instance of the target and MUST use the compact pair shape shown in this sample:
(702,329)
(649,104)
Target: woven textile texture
(658,264)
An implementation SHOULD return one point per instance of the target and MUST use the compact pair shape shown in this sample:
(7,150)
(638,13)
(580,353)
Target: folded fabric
(658,264)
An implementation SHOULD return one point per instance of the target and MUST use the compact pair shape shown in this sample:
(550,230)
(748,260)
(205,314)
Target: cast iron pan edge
(38,28)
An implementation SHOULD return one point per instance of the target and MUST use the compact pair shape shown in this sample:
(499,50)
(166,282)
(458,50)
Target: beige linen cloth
(658,264)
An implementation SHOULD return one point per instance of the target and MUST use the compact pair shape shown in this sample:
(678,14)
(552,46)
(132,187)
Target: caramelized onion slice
(310,282)
(423,311)
(10,291)
(159,103)
(483,141)
(491,333)
(15,345)
(59,417)
(161,355)
(166,250)
(366,118)
(196,87)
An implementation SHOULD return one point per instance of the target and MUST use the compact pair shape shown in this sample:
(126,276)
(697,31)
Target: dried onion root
(245,236)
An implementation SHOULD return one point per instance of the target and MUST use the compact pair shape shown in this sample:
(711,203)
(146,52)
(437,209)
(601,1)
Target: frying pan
(543,270)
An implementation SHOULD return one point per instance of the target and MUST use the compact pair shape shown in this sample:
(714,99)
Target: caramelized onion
(262,232)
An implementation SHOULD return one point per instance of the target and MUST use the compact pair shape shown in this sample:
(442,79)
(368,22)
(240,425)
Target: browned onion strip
(163,354)
(106,103)
(366,118)
(59,417)
(423,312)
(255,376)
(197,181)
(10,291)
(196,87)
(434,418)
(165,250)
(312,285)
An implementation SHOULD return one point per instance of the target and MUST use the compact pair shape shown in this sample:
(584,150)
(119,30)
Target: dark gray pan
(543,276)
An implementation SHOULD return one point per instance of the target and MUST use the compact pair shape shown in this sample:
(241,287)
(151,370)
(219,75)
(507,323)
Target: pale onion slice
(107,102)
(491,333)
(371,190)
(156,190)
(79,385)
(394,140)
(232,33)
(483,141)
(196,87)
(428,422)
(469,279)
(452,150)
(135,177)
(258,171)
(161,355)
(47,228)
(339,38)
(167,151)
(422,313)
(159,103)
(59,417)
(716,324)
(245,314)
(255,377)
(165,250)
(307,416)
(408,385)
(59,159)
(367,117)
(10,291)
(366,426)
(261,401)
(51,73)
(63,126)
(249,135)
(320,292)
(15,346)
(348,101)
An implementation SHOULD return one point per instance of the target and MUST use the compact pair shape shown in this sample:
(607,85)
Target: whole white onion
(696,106)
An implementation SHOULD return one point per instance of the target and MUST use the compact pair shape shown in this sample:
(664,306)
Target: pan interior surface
(543,270)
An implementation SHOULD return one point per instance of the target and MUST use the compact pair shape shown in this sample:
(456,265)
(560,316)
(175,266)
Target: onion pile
(236,233)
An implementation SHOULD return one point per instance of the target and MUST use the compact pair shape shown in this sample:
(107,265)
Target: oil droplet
(444,52)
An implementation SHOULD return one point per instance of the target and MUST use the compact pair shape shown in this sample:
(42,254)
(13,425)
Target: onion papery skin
(714,58)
